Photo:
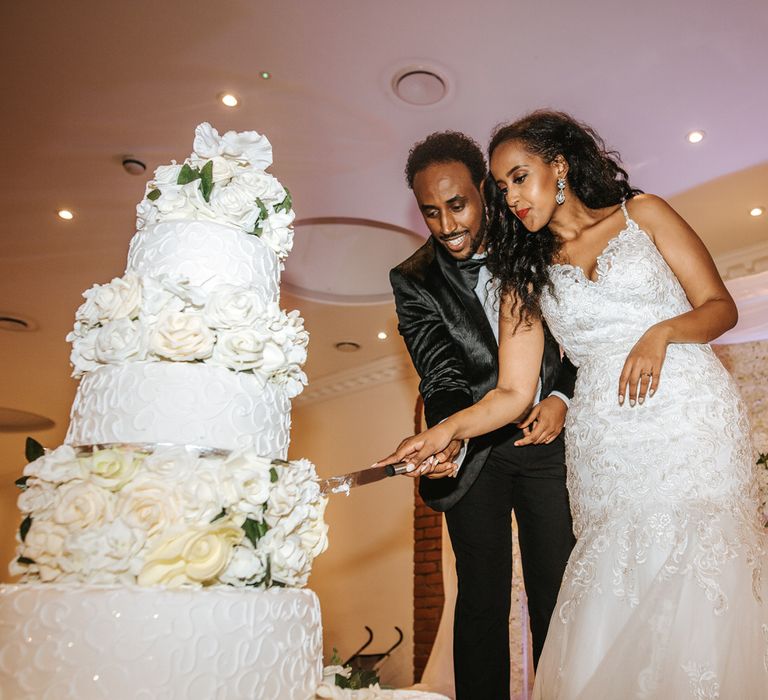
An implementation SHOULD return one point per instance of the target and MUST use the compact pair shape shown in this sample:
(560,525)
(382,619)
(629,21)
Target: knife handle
(395,469)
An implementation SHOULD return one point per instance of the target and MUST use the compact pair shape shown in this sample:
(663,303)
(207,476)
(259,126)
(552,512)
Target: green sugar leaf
(21,482)
(254,530)
(24,527)
(206,180)
(220,515)
(25,560)
(286,205)
(263,211)
(33,449)
(153,195)
(187,174)
(272,475)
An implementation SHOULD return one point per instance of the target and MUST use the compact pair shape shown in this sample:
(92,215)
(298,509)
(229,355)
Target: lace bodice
(635,288)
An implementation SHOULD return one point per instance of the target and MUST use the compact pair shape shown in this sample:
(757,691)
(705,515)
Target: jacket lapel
(467,297)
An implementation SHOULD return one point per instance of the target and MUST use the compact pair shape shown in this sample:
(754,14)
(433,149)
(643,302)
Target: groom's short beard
(482,234)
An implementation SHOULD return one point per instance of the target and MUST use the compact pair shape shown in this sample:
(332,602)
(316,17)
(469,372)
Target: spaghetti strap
(624,209)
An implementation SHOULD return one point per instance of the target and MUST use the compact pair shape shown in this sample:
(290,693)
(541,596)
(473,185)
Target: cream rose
(104,555)
(146,213)
(82,505)
(37,498)
(149,505)
(157,299)
(182,337)
(201,494)
(167,174)
(232,307)
(46,545)
(121,341)
(112,469)
(241,349)
(198,556)
(171,464)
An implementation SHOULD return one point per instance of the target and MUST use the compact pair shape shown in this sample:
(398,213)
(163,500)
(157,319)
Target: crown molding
(382,371)
(745,261)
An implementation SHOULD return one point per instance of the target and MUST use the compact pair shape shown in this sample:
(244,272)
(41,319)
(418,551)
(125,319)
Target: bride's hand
(643,366)
(418,450)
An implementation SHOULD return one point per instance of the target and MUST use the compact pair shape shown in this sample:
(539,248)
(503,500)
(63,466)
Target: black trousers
(531,481)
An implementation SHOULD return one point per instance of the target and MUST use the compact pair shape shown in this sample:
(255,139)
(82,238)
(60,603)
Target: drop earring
(560,196)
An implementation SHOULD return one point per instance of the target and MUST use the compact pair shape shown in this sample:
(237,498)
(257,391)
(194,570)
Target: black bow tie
(470,270)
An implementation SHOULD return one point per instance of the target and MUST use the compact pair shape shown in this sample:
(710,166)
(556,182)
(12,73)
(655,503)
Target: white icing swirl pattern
(180,403)
(205,253)
(92,643)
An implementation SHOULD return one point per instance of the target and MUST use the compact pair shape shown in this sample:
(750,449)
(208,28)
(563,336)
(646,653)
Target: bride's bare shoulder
(652,213)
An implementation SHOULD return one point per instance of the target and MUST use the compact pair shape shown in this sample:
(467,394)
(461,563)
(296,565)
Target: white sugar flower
(182,337)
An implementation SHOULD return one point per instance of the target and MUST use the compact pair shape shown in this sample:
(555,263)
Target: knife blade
(344,482)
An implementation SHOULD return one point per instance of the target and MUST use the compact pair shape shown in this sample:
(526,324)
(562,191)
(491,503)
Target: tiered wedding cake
(164,546)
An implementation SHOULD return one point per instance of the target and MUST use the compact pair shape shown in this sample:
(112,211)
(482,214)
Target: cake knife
(344,482)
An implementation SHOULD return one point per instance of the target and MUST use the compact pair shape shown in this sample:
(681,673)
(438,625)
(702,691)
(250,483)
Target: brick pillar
(428,594)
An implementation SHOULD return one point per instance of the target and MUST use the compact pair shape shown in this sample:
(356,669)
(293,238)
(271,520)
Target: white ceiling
(86,82)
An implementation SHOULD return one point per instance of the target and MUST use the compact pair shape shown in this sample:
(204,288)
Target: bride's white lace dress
(666,593)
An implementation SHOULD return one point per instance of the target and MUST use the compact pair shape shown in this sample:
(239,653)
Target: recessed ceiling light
(419,86)
(265,75)
(382,335)
(757,211)
(695,136)
(66,214)
(347,346)
(228,99)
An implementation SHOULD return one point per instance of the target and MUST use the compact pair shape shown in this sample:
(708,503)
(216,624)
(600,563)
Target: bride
(666,592)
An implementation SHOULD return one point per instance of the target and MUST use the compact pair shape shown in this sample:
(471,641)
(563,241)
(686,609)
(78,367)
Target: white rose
(176,202)
(149,505)
(56,467)
(37,498)
(120,298)
(240,349)
(112,469)
(167,174)
(224,169)
(288,562)
(249,476)
(274,358)
(104,555)
(278,235)
(245,567)
(207,143)
(232,307)
(182,337)
(121,341)
(314,535)
(194,557)
(262,185)
(82,505)
(171,464)
(249,146)
(45,542)
(83,355)
(146,214)
(235,205)
(157,299)
(183,288)
(202,494)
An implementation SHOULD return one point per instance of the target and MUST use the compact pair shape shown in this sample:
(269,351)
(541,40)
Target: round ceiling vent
(15,421)
(17,324)
(419,86)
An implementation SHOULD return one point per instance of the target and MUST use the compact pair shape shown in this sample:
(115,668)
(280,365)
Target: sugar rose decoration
(141,319)
(172,517)
(223,180)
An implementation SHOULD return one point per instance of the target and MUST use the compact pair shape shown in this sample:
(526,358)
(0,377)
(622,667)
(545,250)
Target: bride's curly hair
(517,257)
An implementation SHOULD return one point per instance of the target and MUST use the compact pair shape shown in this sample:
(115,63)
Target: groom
(449,323)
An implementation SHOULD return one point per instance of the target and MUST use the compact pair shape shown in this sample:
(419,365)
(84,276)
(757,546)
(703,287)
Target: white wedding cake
(164,547)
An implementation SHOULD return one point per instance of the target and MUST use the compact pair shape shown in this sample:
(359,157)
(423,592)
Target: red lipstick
(522,213)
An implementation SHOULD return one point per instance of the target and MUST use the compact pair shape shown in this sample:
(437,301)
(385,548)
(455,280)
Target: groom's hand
(442,463)
(544,423)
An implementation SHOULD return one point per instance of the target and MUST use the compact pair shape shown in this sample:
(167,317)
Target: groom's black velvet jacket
(454,350)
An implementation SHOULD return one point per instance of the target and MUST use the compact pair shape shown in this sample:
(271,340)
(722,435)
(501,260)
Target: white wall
(366,575)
